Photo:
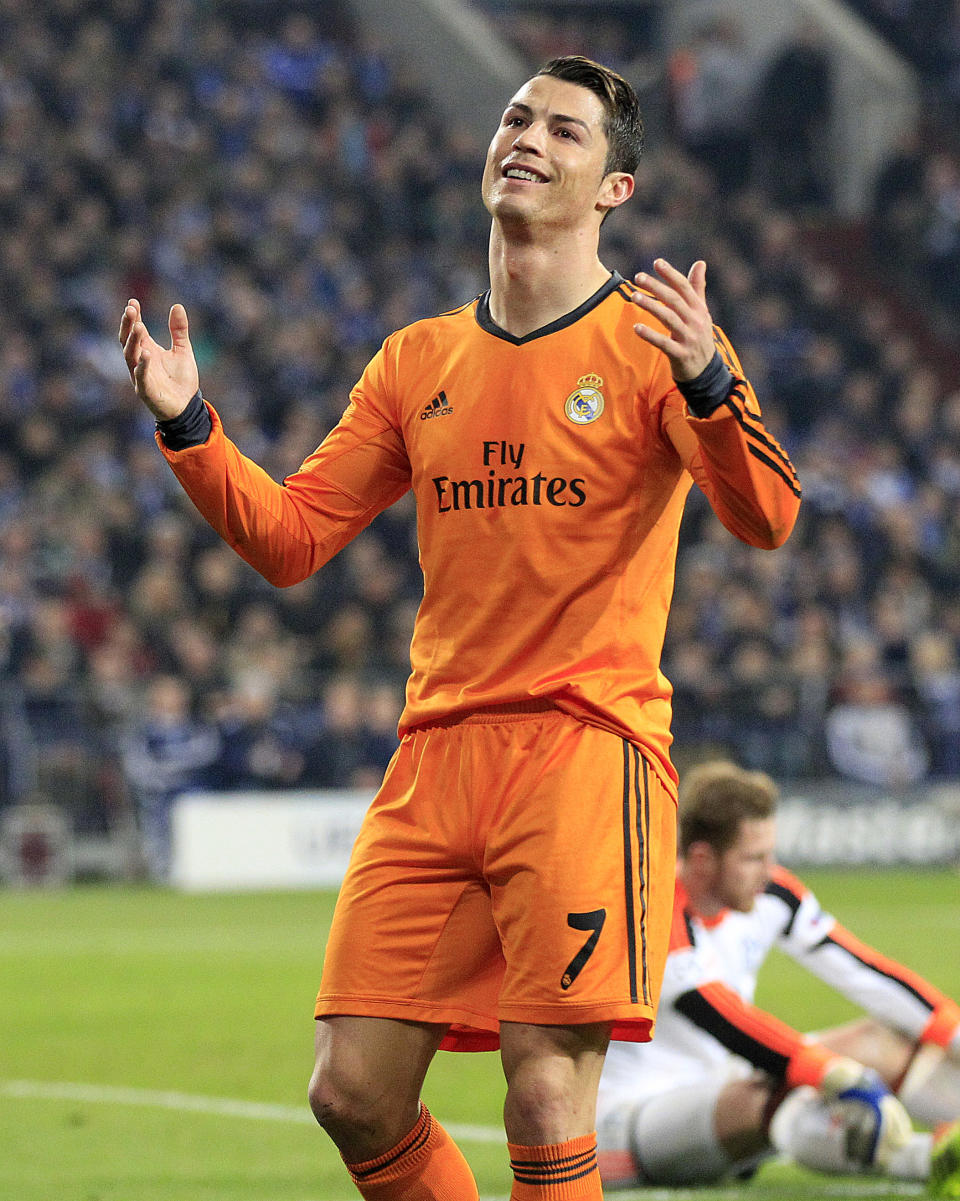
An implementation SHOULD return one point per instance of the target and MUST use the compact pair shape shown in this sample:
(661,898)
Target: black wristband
(709,389)
(190,428)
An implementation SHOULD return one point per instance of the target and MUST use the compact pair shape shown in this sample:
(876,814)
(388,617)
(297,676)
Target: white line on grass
(108,1094)
(231,1107)
(832,1188)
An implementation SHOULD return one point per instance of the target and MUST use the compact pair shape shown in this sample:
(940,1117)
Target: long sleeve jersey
(550,473)
(707,1020)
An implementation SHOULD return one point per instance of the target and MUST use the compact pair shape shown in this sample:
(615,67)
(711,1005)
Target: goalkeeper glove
(875,1122)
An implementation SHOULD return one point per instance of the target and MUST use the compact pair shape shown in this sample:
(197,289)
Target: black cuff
(709,389)
(192,427)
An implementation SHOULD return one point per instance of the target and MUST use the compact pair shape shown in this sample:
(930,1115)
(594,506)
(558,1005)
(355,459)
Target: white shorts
(667,1138)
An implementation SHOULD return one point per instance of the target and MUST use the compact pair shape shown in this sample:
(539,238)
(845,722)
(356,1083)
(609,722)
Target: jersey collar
(682,901)
(487,323)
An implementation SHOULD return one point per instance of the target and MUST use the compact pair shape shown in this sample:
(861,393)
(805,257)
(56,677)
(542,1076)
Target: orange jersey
(550,473)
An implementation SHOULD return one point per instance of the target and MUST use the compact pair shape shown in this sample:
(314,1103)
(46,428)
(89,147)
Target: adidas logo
(437,407)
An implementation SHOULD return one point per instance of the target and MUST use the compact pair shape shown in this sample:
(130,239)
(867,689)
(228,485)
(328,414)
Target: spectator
(166,752)
(711,82)
(793,107)
(871,736)
(348,752)
(940,224)
(935,678)
(263,742)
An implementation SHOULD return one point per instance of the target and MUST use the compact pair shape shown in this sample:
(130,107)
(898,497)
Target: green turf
(167,999)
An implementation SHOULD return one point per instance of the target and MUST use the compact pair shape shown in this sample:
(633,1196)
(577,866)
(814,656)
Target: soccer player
(723,1083)
(512,883)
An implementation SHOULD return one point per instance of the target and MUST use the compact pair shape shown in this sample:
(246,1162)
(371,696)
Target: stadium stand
(280,175)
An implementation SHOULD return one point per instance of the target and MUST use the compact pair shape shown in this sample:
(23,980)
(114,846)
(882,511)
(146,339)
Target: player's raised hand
(165,380)
(679,302)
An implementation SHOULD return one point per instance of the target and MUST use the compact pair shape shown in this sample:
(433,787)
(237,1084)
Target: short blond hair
(716,797)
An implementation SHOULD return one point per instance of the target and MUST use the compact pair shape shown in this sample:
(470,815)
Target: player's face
(545,164)
(743,870)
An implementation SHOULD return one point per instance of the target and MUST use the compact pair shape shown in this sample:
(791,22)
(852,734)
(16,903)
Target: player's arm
(775,1048)
(288,531)
(890,992)
(716,428)
(284,531)
(893,993)
(693,987)
(784,1055)
(757,1036)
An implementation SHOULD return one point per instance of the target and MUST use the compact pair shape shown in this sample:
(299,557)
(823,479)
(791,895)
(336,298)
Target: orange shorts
(516,865)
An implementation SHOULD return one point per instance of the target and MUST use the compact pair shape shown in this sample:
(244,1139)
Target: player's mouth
(527,174)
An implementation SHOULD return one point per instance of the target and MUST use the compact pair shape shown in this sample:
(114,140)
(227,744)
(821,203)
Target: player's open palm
(679,301)
(165,380)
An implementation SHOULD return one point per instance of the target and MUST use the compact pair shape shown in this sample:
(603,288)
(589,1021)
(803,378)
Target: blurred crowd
(281,176)
(927,33)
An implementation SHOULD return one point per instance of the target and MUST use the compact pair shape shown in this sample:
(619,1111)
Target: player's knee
(340,1103)
(362,1116)
(541,1110)
(552,1076)
(326,1100)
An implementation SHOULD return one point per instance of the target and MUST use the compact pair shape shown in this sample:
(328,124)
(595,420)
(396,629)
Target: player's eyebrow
(561,117)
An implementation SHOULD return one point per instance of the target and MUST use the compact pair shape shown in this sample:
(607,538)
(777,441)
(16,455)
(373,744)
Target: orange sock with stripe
(556,1172)
(426,1165)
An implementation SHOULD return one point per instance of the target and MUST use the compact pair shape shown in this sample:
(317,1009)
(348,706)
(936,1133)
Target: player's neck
(534,282)
(702,900)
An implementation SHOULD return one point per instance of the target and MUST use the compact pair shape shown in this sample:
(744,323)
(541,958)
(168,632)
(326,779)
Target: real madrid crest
(585,403)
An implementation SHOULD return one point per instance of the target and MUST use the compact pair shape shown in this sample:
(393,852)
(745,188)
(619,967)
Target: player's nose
(530,138)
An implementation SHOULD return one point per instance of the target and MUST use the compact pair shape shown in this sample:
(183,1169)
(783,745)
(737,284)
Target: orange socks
(425,1166)
(557,1172)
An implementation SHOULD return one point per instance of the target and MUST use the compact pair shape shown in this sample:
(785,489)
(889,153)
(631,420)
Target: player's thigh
(552,1074)
(581,868)
(359,1059)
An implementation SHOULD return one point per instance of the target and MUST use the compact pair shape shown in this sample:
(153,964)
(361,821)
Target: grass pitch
(156,1046)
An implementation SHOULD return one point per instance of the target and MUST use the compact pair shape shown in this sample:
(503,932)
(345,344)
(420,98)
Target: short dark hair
(624,123)
(716,797)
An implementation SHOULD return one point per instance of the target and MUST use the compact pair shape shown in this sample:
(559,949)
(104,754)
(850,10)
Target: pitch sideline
(231,1107)
(107,1094)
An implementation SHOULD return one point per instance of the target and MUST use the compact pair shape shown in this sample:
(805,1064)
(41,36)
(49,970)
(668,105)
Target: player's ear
(700,856)
(616,189)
